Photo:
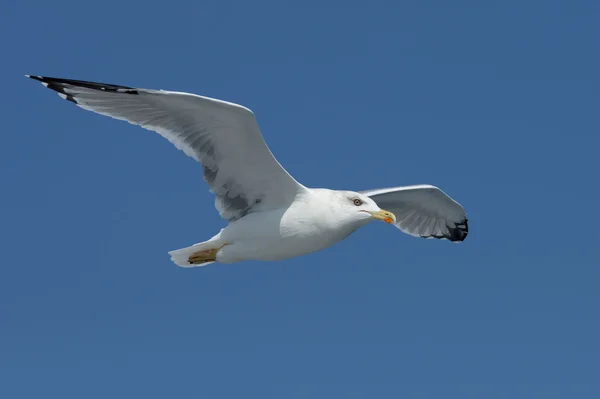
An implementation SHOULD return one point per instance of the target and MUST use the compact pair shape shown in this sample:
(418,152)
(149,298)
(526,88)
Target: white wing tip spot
(38,78)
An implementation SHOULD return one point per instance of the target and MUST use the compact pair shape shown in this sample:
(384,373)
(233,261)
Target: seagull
(270,215)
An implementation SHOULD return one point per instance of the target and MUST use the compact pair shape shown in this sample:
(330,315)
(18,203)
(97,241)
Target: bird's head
(360,208)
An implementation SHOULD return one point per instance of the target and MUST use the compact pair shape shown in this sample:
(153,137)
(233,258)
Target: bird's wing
(423,211)
(224,137)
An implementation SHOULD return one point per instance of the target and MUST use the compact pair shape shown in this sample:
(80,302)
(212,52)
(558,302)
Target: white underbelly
(275,235)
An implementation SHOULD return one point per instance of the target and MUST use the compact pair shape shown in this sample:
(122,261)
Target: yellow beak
(386,216)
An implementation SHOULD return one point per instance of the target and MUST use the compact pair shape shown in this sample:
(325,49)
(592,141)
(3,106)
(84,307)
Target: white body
(286,233)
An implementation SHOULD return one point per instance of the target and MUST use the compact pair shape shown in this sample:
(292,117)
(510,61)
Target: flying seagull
(270,215)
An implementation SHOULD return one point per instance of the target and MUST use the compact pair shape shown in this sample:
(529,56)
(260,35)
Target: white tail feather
(181,256)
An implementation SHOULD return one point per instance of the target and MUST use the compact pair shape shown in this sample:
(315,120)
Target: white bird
(271,216)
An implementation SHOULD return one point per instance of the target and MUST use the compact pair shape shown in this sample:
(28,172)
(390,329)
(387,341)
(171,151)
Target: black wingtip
(107,87)
(36,77)
(456,234)
(460,232)
(51,83)
(67,88)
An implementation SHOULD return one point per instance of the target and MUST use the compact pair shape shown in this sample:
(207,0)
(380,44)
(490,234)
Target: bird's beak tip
(384,216)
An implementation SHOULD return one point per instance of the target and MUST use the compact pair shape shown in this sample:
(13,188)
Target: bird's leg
(207,255)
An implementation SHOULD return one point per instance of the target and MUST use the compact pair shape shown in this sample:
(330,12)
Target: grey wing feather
(224,137)
(423,211)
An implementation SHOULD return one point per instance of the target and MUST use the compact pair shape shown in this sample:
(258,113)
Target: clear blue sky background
(496,102)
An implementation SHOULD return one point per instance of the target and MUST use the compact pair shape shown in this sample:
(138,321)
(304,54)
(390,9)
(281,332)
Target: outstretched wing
(224,137)
(423,211)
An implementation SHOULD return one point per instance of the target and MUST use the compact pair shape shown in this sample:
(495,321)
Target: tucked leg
(200,257)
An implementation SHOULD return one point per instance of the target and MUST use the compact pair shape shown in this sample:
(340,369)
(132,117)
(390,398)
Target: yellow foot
(200,257)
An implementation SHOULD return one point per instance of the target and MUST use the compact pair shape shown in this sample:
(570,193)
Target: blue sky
(495,102)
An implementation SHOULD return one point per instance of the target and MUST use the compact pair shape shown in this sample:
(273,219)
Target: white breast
(306,226)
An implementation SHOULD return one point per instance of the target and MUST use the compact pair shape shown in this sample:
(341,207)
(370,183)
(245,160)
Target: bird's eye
(357,202)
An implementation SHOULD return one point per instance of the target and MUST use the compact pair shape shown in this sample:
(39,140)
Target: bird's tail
(201,254)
